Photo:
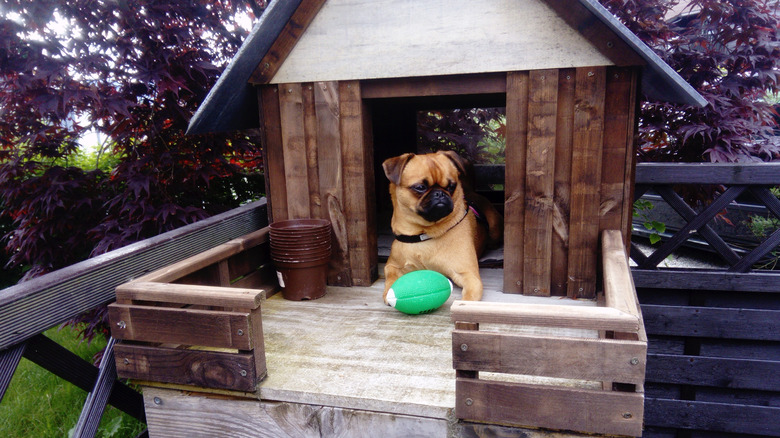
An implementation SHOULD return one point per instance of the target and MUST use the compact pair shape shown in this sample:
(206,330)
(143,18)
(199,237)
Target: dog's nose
(439,196)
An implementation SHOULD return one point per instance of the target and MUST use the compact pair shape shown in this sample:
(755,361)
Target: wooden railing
(30,308)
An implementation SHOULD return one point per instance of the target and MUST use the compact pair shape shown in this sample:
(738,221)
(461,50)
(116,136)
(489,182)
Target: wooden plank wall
(713,351)
(317,142)
(568,174)
(569,169)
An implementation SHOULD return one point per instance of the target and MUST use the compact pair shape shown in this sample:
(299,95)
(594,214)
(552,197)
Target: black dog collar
(405,238)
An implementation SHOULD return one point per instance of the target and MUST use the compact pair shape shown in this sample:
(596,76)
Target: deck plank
(349,350)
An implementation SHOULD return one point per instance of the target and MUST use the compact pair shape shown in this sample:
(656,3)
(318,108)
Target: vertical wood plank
(618,141)
(630,164)
(540,180)
(514,185)
(294,145)
(273,159)
(312,162)
(586,181)
(562,194)
(357,162)
(326,101)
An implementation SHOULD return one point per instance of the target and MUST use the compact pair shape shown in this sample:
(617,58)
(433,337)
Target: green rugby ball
(419,292)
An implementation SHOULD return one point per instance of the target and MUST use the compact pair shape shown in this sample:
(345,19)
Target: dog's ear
(460,163)
(464,166)
(394,167)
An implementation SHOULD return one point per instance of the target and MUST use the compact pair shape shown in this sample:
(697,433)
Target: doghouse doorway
(399,126)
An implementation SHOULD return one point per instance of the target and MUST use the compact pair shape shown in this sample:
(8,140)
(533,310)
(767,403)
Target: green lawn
(40,404)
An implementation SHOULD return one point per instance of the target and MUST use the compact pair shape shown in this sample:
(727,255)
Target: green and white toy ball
(419,292)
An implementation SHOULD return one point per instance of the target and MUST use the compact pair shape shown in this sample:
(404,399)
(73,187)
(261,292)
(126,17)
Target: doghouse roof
(315,40)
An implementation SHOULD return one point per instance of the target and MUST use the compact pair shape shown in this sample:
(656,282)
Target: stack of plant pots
(300,250)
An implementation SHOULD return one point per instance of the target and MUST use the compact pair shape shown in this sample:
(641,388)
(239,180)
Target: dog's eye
(451,188)
(419,188)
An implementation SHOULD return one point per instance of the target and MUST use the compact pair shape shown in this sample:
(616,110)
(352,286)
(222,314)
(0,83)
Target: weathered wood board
(402,38)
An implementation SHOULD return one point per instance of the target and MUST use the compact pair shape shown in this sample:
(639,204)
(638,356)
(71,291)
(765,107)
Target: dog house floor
(349,350)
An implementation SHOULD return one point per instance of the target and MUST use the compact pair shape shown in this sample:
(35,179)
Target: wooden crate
(197,322)
(592,385)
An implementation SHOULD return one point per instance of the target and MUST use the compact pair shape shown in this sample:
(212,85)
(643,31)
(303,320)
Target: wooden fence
(30,308)
(713,336)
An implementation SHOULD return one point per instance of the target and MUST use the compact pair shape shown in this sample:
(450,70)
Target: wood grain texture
(514,189)
(586,181)
(350,40)
(559,279)
(618,149)
(618,413)
(619,288)
(714,371)
(539,181)
(206,328)
(210,369)
(310,126)
(721,323)
(296,175)
(328,112)
(487,83)
(544,315)
(569,358)
(358,174)
(713,417)
(273,150)
(181,415)
(189,294)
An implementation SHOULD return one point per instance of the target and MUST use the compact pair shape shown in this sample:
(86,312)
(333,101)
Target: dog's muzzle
(436,205)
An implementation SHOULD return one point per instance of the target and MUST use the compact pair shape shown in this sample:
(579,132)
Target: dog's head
(427,185)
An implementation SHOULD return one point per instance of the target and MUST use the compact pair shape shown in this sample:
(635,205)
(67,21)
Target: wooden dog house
(333,85)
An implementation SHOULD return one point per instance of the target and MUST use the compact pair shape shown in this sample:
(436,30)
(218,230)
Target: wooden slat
(618,149)
(539,181)
(708,322)
(286,40)
(187,294)
(707,280)
(328,111)
(586,181)
(569,358)
(358,174)
(9,360)
(180,326)
(312,152)
(273,152)
(488,83)
(294,147)
(618,284)
(210,369)
(514,189)
(92,412)
(562,193)
(544,315)
(607,412)
(713,417)
(714,371)
(708,173)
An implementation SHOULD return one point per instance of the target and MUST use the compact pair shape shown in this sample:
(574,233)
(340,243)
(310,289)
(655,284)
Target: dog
(439,223)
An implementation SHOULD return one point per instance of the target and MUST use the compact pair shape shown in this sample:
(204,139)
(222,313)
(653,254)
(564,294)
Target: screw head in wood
(122,325)
(464,347)
(627,415)
(243,373)
(240,332)
(126,361)
(634,361)
(157,401)
(469,402)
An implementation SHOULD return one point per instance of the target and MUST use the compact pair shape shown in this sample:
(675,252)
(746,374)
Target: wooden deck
(339,364)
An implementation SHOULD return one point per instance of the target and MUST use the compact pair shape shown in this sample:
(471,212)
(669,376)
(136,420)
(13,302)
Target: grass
(40,404)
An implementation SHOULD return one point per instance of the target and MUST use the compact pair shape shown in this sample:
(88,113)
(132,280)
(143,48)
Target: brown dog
(435,220)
